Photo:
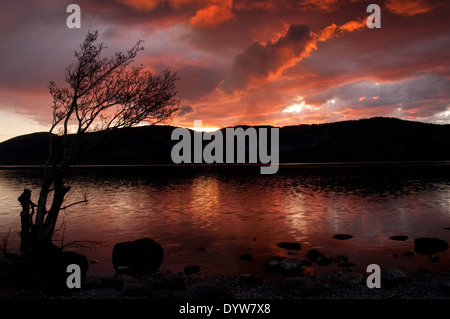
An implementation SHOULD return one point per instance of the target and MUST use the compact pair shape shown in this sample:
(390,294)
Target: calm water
(229,211)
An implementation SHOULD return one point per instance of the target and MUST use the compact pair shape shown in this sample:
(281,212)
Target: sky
(261,62)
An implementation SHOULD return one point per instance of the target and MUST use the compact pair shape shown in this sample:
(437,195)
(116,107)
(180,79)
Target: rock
(140,257)
(297,286)
(391,276)
(350,278)
(93,282)
(246,257)
(249,281)
(208,291)
(399,238)
(434,258)
(291,266)
(313,254)
(290,246)
(408,254)
(428,246)
(273,264)
(342,236)
(323,261)
(341,258)
(346,264)
(190,270)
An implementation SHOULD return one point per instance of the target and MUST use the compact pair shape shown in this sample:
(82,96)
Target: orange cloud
(410,7)
(213,14)
(353,25)
(327,5)
(150,5)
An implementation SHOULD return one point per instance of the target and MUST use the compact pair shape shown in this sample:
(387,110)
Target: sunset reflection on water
(209,217)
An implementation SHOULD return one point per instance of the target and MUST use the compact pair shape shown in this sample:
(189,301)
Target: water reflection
(227,212)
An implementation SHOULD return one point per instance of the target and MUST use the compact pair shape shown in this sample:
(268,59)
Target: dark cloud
(259,60)
(429,91)
(197,81)
(185,109)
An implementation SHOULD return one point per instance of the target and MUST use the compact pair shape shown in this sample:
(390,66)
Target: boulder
(391,276)
(342,236)
(292,266)
(346,264)
(140,257)
(434,258)
(350,278)
(273,263)
(314,254)
(428,246)
(408,254)
(323,261)
(246,257)
(190,270)
(290,246)
(399,237)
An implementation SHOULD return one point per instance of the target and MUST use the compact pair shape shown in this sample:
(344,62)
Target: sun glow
(205,129)
(298,105)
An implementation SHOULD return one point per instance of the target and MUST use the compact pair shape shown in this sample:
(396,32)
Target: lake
(210,215)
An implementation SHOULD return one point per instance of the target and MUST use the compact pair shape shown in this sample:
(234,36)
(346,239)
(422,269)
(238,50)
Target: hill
(375,139)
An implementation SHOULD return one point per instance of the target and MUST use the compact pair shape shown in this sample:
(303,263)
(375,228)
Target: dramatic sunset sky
(277,62)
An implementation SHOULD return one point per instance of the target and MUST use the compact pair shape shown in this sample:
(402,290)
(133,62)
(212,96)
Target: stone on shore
(191,269)
(292,266)
(342,236)
(392,276)
(273,263)
(246,257)
(350,278)
(290,246)
(428,246)
(399,238)
(314,254)
(140,257)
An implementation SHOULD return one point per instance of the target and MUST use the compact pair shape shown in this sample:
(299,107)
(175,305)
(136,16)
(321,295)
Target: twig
(5,240)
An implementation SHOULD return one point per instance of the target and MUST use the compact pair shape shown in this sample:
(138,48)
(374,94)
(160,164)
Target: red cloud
(411,7)
(213,14)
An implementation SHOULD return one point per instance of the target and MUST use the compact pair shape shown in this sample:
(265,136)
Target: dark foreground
(346,284)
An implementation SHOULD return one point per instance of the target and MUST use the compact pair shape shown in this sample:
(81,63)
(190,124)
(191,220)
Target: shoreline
(345,284)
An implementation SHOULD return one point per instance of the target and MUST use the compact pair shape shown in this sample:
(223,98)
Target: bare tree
(101,95)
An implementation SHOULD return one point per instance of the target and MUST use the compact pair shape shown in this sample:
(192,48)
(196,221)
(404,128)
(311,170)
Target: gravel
(419,285)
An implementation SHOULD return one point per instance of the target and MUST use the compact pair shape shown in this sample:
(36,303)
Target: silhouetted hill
(376,139)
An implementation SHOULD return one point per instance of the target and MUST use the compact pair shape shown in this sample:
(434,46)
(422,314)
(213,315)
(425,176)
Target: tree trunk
(38,236)
(26,220)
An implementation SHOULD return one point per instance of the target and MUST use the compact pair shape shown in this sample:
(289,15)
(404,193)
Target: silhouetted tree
(101,95)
